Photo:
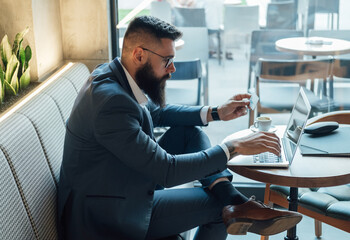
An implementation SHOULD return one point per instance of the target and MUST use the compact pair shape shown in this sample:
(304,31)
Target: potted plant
(14,65)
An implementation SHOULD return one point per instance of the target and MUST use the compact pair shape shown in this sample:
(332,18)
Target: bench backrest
(31,148)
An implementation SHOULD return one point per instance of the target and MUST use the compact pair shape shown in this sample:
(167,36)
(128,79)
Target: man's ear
(138,56)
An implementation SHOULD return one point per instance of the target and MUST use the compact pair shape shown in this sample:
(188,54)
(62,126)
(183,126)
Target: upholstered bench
(332,202)
(31,147)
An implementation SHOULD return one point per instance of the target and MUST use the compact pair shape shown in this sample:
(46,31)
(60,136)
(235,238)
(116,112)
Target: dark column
(114,35)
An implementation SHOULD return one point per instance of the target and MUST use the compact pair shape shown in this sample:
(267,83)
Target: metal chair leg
(318,228)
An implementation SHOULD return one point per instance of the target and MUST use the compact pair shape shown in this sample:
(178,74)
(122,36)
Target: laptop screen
(296,125)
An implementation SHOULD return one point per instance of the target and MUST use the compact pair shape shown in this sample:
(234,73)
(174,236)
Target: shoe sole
(264,228)
(238,226)
(274,226)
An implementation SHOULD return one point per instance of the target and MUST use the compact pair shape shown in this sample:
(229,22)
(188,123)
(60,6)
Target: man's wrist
(214,114)
(232,149)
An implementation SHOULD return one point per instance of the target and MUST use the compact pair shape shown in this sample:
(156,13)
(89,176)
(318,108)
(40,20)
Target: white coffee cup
(263,123)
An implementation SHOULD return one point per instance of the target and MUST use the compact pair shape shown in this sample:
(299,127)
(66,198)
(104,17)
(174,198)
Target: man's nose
(171,68)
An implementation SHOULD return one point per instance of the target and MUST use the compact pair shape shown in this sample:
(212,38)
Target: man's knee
(186,130)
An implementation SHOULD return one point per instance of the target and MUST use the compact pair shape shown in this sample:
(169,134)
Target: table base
(293,206)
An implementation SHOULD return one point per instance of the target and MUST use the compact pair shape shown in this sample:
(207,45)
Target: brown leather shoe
(254,216)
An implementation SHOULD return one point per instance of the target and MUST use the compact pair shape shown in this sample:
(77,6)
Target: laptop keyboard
(266,157)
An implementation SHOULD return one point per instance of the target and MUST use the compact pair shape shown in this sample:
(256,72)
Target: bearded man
(113,169)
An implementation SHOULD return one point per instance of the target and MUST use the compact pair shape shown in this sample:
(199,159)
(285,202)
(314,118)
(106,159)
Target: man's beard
(153,86)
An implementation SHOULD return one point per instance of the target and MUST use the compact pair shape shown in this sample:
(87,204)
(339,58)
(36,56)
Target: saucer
(254,129)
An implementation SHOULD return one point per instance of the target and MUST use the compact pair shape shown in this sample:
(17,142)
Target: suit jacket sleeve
(175,115)
(118,127)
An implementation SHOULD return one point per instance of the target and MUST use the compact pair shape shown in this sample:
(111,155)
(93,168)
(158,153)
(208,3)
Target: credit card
(253,101)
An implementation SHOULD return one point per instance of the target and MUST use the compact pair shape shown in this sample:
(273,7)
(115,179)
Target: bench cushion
(47,121)
(63,92)
(15,223)
(329,201)
(78,74)
(22,148)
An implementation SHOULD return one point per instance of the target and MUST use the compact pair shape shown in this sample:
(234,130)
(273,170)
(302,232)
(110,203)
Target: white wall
(85,31)
(60,30)
(47,35)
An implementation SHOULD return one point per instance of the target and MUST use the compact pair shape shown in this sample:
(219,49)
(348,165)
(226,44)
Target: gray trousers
(178,210)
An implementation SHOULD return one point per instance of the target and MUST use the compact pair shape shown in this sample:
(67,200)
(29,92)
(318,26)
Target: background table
(300,45)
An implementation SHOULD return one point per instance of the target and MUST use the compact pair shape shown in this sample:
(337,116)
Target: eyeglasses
(167,60)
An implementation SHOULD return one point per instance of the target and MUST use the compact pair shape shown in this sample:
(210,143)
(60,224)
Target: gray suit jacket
(111,163)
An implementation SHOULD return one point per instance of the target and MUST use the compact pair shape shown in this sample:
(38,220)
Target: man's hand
(254,143)
(235,107)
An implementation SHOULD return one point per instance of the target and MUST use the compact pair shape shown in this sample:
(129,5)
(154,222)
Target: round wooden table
(314,46)
(303,172)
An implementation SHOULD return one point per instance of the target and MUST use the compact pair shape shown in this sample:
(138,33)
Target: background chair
(281,15)
(329,7)
(263,46)
(197,17)
(239,22)
(341,83)
(330,205)
(188,17)
(161,10)
(278,82)
(189,93)
(196,46)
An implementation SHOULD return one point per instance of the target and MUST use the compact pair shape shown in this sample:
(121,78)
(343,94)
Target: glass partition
(227,50)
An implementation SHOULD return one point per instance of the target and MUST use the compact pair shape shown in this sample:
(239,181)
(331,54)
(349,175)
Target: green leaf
(22,58)
(14,80)
(2,80)
(2,76)
(18,40)
(1,64)
(11,68)
(22,55)
(2,93)
(9,90)
(28,54)
(5,50)
(25,79)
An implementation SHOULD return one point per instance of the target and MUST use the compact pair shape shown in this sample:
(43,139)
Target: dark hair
(154,27)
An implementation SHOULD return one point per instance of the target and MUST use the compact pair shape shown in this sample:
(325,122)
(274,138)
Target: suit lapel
(118,71)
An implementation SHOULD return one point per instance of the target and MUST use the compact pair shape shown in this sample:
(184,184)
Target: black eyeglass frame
(168,60)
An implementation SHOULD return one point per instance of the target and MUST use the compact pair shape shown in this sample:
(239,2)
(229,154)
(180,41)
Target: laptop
(290,140)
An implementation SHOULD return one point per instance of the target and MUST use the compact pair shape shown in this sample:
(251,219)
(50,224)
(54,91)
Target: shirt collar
(138,93)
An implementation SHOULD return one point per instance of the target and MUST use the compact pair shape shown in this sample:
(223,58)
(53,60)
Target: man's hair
(155,28)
